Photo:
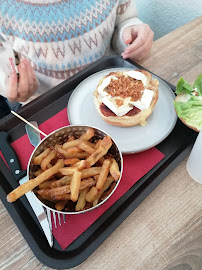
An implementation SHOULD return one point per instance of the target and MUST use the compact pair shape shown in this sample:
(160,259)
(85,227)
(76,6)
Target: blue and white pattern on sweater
(61,37)
(58,21)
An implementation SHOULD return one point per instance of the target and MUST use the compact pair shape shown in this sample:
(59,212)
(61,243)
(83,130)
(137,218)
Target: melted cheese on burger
(127,103)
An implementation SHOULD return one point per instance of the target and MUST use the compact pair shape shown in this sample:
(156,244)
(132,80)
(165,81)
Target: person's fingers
(23,90)
(30,76)
(127,35)
(141,53)
(12,87)
(140,35)
(143,50)
(35,81)
(27,85)
(143,32)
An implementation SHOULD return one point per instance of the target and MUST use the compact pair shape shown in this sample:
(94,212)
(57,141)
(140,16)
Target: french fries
(102,149)
(46,161)
(75,186)
(108,182)
(31,184)
(114,169)
(79,172)
(81,200)
(86,147)
(47,184)
(65,180)
(61,205)
(103,174)
(91,195)
(71,161)
(39,158)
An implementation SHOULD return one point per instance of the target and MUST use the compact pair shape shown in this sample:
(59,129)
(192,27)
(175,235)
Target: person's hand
(27,85)
(140,38)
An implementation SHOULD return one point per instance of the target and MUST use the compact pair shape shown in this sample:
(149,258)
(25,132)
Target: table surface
(165,230)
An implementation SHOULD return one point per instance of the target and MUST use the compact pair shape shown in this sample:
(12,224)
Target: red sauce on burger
(107,112)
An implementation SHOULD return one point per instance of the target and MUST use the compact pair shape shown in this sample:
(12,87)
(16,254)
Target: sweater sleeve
(126,16)
(2,73)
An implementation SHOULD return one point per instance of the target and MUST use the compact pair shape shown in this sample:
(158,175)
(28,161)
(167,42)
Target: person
(55,39)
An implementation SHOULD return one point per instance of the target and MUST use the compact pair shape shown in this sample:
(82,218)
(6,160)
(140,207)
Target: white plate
(81,111)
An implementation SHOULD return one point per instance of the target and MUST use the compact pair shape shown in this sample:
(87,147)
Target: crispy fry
(31,184)
(65,180)
(75,186)
(53,192)
(114,169)
(49,166)
(97,144)
(91,195)
(103,148)
(85,173)
(38,172)
(103,174)
(88,134)
(74,150)
(62,197)
(96,177)
(82,200)
(47,198)
(108,182)
(70,144)
(38,159)
(88,143)
(60,205)
(57,146)
(65,154)
(101,160)
(57,193)
(71,161)
(70,138)
(47,184)
(82,164)
(68,170)
(108,191)
(86,147)
(47,160)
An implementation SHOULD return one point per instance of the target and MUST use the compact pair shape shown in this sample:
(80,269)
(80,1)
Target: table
(165,230)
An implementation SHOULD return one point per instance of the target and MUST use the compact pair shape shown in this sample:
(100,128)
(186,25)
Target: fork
(48,211)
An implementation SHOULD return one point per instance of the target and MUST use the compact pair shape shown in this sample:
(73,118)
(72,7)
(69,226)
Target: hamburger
(126,98)
(188,103)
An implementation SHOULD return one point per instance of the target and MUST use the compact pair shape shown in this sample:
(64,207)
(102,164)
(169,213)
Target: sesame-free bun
(136,119)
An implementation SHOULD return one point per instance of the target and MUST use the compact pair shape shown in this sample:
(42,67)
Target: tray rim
(156,177)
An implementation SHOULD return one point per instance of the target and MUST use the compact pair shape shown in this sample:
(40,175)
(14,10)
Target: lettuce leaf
(184,87)
(198,84)
(190,111)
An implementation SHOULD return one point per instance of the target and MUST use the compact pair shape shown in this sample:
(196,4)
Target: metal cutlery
(34,138)
(33,135)
(21,177)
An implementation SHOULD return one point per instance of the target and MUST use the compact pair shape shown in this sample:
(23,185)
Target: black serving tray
(175,147)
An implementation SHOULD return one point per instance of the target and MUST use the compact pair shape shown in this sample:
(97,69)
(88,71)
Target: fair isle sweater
(61,37)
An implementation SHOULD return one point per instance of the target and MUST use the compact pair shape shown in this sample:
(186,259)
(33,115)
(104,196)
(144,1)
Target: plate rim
(122,68)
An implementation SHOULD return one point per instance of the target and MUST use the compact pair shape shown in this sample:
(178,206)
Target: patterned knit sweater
(61,37)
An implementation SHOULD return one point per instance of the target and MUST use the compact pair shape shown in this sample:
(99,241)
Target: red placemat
(135,167)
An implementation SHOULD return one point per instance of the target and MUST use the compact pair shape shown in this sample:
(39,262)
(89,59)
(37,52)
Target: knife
(21,176)
(33,135)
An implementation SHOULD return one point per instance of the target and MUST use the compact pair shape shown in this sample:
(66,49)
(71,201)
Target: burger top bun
(126,98)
